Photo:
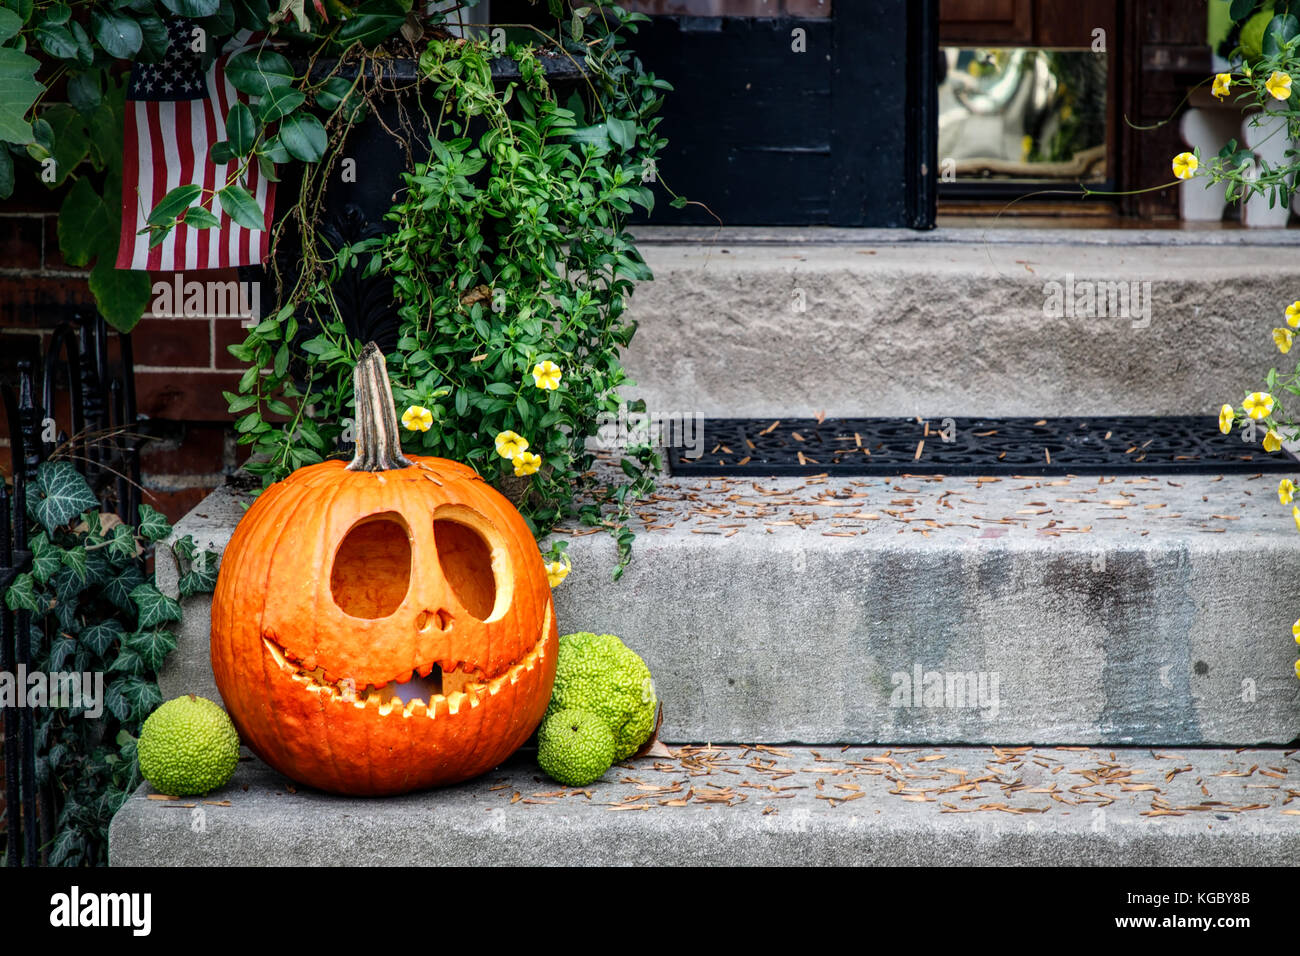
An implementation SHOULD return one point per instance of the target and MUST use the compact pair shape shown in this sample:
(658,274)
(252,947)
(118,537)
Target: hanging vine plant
(511,268)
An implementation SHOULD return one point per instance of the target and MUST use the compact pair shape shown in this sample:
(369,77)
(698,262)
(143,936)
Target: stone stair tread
(729,804)
(1116,611)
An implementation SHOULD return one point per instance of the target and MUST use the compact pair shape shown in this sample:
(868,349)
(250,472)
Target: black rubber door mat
(971,446)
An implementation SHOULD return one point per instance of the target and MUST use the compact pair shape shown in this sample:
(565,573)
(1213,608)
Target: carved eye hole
(372,567)
(465,557)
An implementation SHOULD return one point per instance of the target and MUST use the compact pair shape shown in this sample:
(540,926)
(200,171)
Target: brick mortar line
(188,368)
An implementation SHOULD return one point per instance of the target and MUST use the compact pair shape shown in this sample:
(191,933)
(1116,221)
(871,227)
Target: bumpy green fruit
(188,746)
(575,747)
(601,674)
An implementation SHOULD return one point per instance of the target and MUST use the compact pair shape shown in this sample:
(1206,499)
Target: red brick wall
(181,363)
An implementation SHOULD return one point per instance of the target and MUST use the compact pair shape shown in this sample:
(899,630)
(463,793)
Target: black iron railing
(103,443)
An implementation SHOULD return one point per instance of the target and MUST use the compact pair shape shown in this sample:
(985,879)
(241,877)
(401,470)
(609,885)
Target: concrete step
(786,322)
(758,805)
(926,610)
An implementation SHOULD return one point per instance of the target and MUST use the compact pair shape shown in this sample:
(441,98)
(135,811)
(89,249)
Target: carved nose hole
(439,619)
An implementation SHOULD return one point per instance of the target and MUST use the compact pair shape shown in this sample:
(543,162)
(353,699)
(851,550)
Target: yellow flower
(1279,85)
(1297,668)
(1283,339)
(1272,442)
(1285,492)
(1222,83)
(1293,314)
(526,463)
(1226,415)
(557,571)
(417,418)
(1185,165)
(1258,405)
(1295,514)
(510,445)
(546,375)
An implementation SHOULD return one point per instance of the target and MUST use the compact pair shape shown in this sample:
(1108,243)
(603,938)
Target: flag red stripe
(130,180)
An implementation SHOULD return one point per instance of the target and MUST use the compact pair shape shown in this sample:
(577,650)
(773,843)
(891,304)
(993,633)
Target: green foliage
(1245,173)
(509,249)
(92,611)
(80,142)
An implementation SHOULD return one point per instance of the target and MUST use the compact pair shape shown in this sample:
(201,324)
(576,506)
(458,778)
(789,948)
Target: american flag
(174,113)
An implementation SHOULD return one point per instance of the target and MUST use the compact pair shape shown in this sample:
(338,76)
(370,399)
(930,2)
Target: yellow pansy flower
(526,463)
(417,418)
(1283,339)
(1279,85)
(1285,492)
(1185,165)
(1258,405)
(1293,314)
(1297,668)
(510,445)
(1272,441)
(1222,83)
(1295,631)
(1226,416)
(557,571)
(546,375)
(1295,514)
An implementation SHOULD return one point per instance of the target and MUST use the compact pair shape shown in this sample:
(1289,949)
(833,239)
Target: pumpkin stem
(379,446)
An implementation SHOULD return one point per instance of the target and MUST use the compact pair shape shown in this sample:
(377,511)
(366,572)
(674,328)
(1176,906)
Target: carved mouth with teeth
(427,692)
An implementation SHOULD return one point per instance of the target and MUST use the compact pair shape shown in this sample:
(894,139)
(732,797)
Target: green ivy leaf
(154,606)
(61,649)
(102,636)
(152,646)
(201,578)
(67,848)
(74,559)
(23,595)
(118,588)
(45,557)
(153,525)
(61,494)
(143,695)
(128,661)
(122,545)
(115,700)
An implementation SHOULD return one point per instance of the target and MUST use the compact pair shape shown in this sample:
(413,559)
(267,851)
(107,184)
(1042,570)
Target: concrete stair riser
(1139,632)
(952,328)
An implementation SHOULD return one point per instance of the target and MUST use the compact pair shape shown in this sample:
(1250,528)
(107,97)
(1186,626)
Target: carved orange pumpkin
(384,625)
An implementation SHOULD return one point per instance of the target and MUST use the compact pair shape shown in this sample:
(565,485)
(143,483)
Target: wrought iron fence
(103,443)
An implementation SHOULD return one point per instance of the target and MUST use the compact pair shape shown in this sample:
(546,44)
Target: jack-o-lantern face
(379,631)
